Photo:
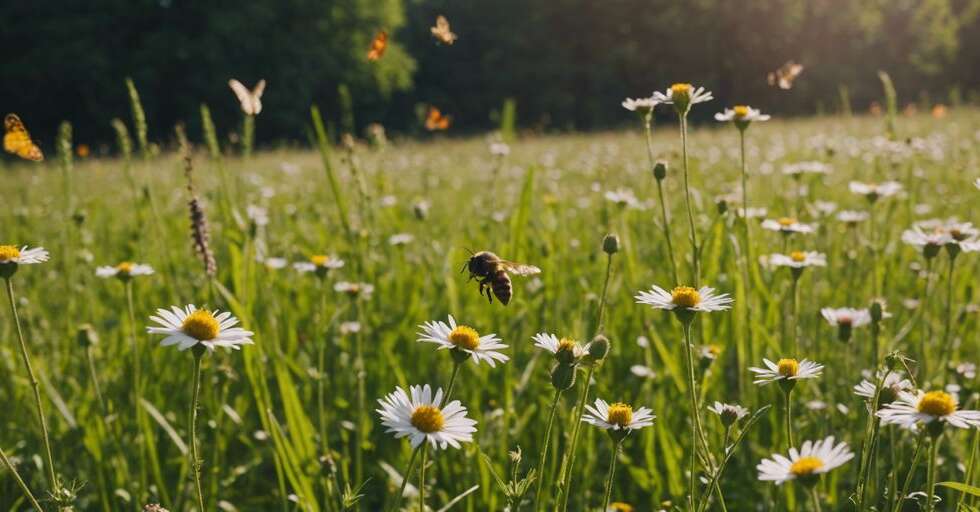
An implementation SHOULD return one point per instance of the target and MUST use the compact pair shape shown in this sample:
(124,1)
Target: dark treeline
(568,63)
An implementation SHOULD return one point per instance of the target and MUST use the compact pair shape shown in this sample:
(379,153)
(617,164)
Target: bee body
(492,272)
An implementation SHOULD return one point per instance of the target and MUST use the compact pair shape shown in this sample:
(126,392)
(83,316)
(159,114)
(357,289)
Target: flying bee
(492,273)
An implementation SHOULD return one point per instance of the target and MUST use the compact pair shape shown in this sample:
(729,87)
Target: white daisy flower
(911,409)
(741,115)
(893,384)
(465,339)
(786,369)
(752,213)
(729,413)
(683,96)
(824,208)
(799,168)
(23,256)
(962,235)
(805,464)
(354,289)
(553,344)
(275,263)
(498,148)
(124,270)
(350,327)
(401,239)
(787,225)
(257,214)
(852,217)
(189,326)
(930,241)
(420,417)
(977,183)
(641,105)
(319,263)
(622,197)
(685,299)
(617,416)
(643,372)
(846,316)
(798,259)
(874,191)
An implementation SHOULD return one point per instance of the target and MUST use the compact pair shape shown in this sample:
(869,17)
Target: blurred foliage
(568,63)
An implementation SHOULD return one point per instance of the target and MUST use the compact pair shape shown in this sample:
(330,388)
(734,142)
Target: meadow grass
(289,423)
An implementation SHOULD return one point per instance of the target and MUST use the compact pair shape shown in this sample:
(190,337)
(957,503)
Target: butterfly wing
(432,119)
(378,46)
(442,31)
(18,141)
(244,96)
(257,96)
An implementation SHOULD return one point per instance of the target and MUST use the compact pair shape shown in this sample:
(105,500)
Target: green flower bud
(610,244)
(660,170)
(597,349)
(563,376)
(86,336)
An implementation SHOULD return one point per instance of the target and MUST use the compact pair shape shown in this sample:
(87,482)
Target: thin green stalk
(566,476)
(970,467)
(611,475)
(663,201)
(20,481)
(695,414)
(868,450)
(361,390)
(602,298)
(195,456)
(405,476)
(815,497)
(425,452)
(452,382)
(137,386)
(542,460)
(788,417)
(931,474)
(908,477)
(695,252)
(796,313)
(948,323)
(36,387)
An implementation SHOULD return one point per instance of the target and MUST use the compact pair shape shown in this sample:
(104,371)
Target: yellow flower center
(788,367)
(619,506)
(937,403)
(620,414)
(685,297)
(8,253)
(680,89)
(805,466)
(125,267)
(201,325)
(465,337)
(741,111)
(566,345)
(786,221)
(798,256)
(428,419)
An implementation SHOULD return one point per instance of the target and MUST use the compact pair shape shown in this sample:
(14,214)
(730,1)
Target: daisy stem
(602,298)
(869,449)
(361,390)
(796,314)
(695,414)
(452,381)
(815,497)
(970,467)
(542,460)
(20,481)
(566,476)
(947,326)
(611,475)
(195,456)
(788,417)
(137,389)
(425,452)
(695,253)
(663,202)
(35,386)
(916,455)
(405,476)
(931,474)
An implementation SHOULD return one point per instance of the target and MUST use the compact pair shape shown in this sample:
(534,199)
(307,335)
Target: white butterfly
(251,100)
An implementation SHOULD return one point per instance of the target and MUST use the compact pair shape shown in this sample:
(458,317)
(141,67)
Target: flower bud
(877,311)
(660,170)
(597,349)
(563,376)
(86,336)
(610,244)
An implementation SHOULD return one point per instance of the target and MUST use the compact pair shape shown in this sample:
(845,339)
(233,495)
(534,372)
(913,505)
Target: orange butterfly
(784,76)
(378,46)
(441,31)
(435,121)
(16,140)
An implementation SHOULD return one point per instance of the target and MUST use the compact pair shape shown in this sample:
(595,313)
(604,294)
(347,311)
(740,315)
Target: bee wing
(519,269)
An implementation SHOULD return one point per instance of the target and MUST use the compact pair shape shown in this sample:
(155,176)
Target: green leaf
(959,486)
